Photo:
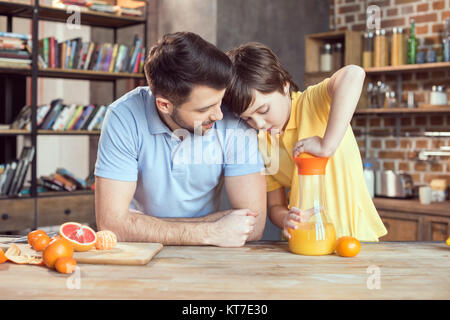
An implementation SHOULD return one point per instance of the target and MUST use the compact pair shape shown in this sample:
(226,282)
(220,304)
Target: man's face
(200,111)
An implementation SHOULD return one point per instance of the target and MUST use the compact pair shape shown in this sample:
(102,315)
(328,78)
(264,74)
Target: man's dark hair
(182,60)
(255,67)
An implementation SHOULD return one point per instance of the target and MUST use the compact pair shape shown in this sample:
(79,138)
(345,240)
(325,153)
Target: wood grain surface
(260,270)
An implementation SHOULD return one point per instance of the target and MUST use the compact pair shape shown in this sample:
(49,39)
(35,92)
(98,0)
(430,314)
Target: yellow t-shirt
(350,207)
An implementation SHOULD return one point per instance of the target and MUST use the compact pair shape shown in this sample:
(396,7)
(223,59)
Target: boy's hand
(312,145)
(291,220)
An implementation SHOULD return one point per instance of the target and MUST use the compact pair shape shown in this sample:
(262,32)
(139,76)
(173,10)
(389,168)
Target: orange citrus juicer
(310,165)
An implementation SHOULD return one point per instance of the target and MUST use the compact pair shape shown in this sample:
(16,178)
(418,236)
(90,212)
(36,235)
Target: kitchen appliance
(393,185)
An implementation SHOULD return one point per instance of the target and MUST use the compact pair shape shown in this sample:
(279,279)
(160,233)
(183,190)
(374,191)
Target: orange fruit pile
(57,252)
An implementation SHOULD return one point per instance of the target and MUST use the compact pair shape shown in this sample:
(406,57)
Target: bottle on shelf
(380,54)
(326,59)
(338,57)
(398,47)
(412,44)
(369,176)
(367,58)
(446,41)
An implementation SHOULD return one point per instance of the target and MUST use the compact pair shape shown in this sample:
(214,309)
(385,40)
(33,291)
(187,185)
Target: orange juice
(303,239)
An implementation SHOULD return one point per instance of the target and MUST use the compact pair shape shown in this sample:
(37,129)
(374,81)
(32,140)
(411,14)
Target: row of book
(16,49)
(84,55)
(62,180)
(60,117)
(12,174)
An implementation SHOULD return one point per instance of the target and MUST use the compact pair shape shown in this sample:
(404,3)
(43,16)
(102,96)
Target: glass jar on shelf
(381,53)
(367,58)
(338,56)
(326,58)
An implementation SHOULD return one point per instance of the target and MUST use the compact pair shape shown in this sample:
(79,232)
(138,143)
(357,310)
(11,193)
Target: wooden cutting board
(124,253)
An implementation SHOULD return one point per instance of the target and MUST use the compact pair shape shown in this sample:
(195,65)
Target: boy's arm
(344,87)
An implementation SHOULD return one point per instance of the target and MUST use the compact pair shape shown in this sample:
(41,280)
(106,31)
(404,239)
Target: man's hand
(312,145)
(233,229)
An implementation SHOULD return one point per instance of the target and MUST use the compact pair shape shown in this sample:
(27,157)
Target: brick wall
(429,16)
(401,155)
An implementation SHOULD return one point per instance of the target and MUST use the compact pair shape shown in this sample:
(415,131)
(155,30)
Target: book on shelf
(58,116)
(22,118)
(75,54)
(62,180)
(13,50)
(80,183)
(125,8)
(13,173)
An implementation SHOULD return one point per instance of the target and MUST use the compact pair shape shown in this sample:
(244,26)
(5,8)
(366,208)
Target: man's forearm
(138,227)
(208,218)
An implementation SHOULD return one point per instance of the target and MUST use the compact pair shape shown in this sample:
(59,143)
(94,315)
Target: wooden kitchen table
(260,270)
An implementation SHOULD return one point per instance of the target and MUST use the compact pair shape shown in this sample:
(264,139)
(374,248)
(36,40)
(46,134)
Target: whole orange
(57,249)
(65,265)
(40,243)
(35,234)
(347,246)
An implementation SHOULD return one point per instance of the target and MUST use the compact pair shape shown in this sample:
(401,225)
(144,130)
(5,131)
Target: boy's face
(198,113)
(268,111)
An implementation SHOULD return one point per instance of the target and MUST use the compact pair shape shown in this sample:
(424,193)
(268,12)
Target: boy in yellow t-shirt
(315,121)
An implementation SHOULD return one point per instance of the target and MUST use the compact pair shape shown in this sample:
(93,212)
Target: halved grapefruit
(80,236)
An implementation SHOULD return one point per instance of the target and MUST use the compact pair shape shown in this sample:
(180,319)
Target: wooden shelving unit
(391,111)
(48,13)
(352,46)
(73,74)
(28,211)
(409,68)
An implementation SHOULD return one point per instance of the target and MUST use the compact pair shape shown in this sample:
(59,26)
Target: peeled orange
(106,240)
(81,237)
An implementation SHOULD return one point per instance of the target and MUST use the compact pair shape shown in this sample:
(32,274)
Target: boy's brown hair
(255,67)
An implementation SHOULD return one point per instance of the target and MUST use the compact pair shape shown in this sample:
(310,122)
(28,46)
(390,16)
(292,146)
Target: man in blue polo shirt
(166,150)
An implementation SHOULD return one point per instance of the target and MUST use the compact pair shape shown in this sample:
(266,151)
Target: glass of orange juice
(314,235)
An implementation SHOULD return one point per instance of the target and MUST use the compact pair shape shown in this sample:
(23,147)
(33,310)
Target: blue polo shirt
(175,177)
